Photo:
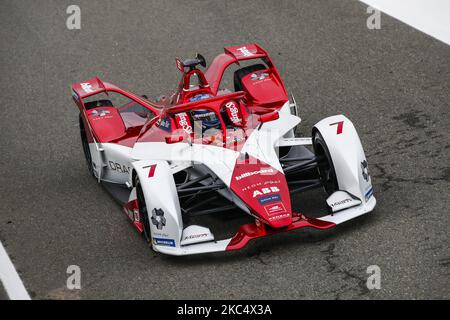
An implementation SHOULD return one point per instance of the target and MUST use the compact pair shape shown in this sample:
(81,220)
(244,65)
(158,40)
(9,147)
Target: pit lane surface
(392,83)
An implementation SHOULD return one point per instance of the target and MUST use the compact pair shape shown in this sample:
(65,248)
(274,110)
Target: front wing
(255,230)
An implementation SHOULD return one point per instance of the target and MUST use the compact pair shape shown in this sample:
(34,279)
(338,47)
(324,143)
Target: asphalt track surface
(392,83)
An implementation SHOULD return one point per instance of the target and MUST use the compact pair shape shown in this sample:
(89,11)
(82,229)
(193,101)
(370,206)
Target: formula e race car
(208,151)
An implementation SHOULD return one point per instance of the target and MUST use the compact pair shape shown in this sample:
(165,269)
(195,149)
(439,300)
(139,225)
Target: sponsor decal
(164,242)
(183,122)
(272,182)
(340,126)
(199,97)
(160,235)
(151,172)
(245,52)
(87,87)
(158,219)
(180,65)
(207,115)
(99,113)
(252,173)
(259,76)
(252,186)
(265,191)
(365,170)
(260,184)
(275,209)
(195,236)
(281,216)
(340,202)
(233,113)
(269,199)
(369,193)
(164,124)
(119,167)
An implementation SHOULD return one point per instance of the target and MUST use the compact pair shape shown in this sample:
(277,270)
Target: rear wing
(234,55)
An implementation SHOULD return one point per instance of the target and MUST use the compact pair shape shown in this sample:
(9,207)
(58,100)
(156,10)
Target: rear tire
(325,168)
(239,74)
(143,213)
(86,150)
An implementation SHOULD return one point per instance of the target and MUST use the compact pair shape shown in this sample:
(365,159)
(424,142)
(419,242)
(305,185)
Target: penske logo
(252,173)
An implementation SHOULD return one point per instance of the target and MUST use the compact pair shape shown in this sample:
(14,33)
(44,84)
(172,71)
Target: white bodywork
(160,191)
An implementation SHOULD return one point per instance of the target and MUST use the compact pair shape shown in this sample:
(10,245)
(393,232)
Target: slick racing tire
(143,213)
(240,73)
(86,150)
(326,171)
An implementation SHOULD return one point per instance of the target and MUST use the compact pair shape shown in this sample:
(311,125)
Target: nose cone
(264,190)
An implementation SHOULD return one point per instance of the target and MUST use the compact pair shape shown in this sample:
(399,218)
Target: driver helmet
(208,118)
(199,97)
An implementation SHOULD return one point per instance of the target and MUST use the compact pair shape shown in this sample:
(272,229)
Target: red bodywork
(258,97)
(257,230)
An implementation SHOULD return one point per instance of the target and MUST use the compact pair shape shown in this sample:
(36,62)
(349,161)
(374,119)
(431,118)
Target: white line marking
(11,281)
(429,16)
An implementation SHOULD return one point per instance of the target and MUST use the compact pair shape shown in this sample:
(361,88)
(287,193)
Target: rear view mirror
(174,139)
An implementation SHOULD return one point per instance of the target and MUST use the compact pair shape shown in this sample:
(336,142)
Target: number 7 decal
(151,172)
(340,126)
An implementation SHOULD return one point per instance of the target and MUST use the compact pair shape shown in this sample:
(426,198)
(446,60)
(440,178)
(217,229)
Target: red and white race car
(207,150)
